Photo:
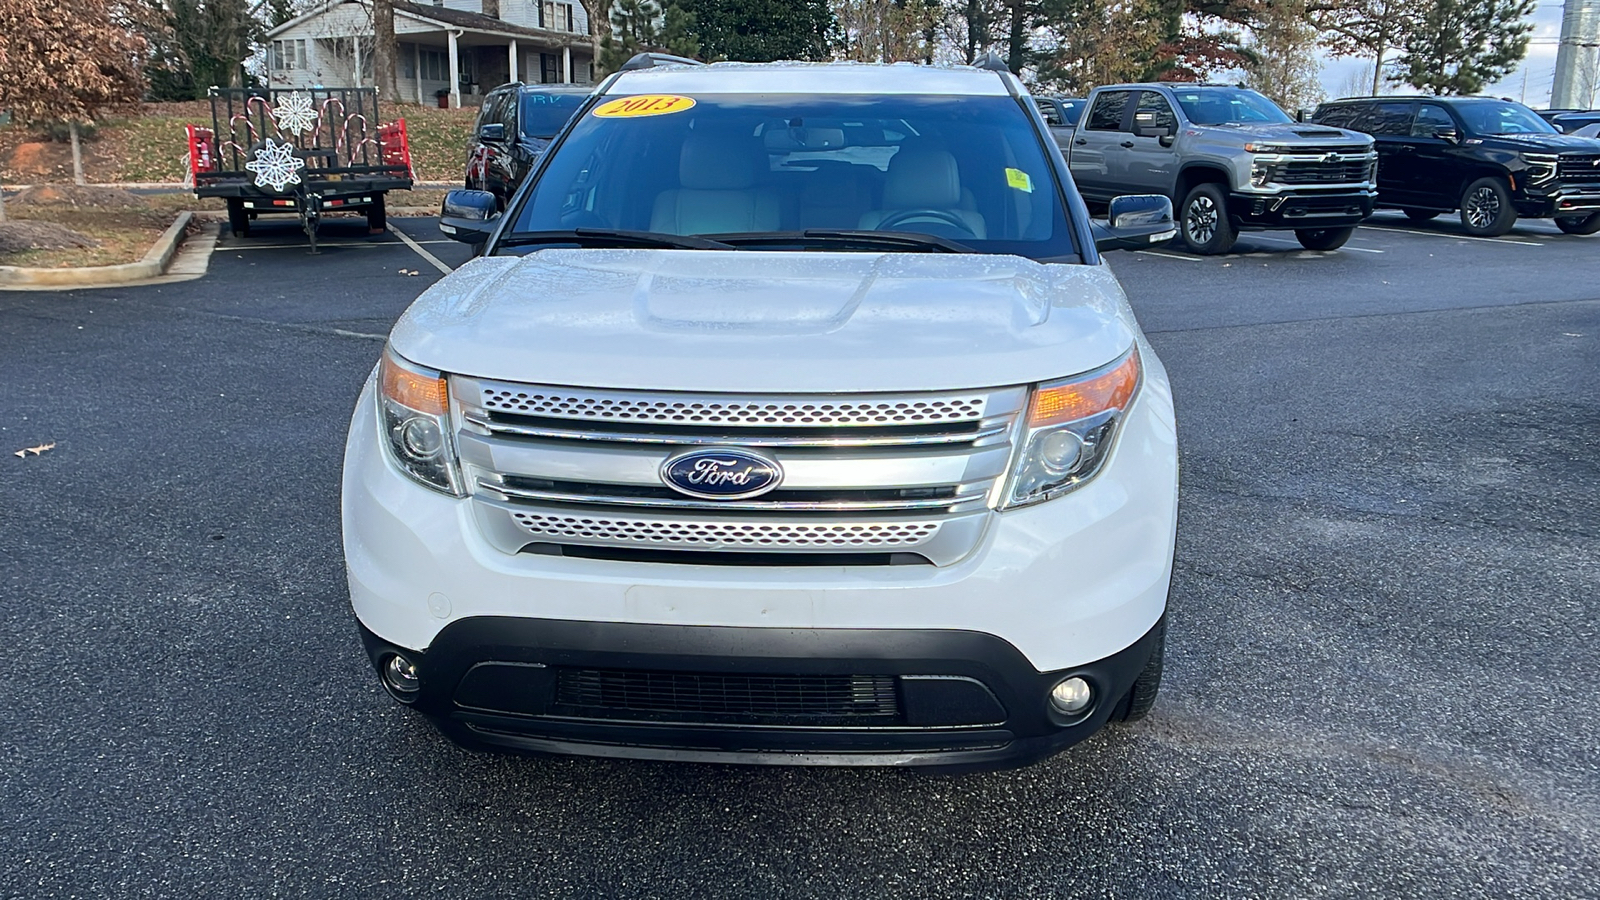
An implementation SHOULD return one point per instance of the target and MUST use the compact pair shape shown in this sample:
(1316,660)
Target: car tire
(238,218)
(1142,695)
(1486,209)
(1420,215)
(1579,224)
(1323,238)
(1204,222)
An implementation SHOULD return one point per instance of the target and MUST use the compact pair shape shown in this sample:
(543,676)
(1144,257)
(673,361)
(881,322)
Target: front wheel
(1136,705)
(1204,223)
(1579,224)
(1323,238)
(1486,209)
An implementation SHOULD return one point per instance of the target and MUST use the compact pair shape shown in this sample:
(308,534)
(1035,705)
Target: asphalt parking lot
(1381,670)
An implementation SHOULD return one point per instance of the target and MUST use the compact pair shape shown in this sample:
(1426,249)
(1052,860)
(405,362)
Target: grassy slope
(150,146)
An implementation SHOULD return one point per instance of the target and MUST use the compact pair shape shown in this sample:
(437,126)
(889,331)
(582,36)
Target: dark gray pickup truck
(1229,158)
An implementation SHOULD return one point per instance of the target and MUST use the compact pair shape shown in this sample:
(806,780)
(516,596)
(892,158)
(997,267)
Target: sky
(1539,66)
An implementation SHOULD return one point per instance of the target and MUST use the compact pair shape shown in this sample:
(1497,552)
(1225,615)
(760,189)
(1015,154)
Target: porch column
(357,45)
(514,55)
(416,68)
(566,65)
(455,71)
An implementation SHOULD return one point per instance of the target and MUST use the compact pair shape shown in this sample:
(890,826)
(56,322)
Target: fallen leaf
(36,451)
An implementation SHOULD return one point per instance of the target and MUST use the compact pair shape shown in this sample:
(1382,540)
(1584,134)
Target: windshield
(968,170)
(1229,106)
(1501,117)
(543,113)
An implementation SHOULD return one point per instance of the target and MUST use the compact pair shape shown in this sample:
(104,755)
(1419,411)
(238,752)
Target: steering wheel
(942,216)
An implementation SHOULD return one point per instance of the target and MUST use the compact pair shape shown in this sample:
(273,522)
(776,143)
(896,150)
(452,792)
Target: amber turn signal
(425,392)
(1109,389)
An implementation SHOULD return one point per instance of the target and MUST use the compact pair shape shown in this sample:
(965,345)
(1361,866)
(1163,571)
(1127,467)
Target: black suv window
(1338,116)
(1387,118)
(544,112)
(1107,112)
(1431,120)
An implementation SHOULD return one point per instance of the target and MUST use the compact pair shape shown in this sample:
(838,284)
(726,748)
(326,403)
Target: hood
(767,321)
(1297,133)
(1545,143)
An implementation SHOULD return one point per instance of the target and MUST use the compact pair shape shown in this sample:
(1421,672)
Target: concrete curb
(154,263)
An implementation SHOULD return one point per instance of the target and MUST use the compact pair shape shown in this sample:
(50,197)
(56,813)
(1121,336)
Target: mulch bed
(16,237)
(76,195)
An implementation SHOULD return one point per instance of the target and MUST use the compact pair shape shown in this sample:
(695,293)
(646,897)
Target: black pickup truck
(299,152)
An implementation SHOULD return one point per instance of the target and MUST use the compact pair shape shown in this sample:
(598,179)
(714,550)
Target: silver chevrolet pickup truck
(1229,158)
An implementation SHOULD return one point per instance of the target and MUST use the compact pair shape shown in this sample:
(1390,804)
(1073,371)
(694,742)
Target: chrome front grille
(1579,168)
(861,473)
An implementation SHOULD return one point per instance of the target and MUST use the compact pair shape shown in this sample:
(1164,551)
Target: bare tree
(384,50)
(1366,28)
(67,61)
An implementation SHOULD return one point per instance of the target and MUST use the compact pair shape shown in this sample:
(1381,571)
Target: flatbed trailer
(299,152)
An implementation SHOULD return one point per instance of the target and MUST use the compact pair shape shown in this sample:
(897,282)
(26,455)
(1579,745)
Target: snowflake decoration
(276,166)
(295,114)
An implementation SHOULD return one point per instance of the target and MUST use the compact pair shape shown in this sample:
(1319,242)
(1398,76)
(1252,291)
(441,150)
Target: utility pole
(1578,56)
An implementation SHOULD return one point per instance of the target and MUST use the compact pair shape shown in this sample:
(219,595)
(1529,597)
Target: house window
(556,16)
(288,55)
(435,63)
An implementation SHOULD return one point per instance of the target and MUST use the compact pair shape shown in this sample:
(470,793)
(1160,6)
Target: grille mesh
(1574,167)
(618,408)
(705,695)
(707,534)
(1347,172)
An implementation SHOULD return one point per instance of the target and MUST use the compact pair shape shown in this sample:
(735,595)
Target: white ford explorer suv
(789,415)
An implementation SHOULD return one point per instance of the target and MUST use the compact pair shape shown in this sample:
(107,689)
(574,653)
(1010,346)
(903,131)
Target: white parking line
(303,245)
(1273,240)
(421,252)
(1169,255)
(1456,237)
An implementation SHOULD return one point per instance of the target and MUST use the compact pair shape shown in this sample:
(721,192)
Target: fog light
(401,676)
(1071,696)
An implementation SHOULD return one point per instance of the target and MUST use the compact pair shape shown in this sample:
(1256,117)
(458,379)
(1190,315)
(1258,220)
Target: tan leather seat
(924,179)
(717,189)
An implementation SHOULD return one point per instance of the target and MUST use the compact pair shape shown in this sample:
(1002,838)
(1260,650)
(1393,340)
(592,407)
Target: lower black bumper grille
(757,699)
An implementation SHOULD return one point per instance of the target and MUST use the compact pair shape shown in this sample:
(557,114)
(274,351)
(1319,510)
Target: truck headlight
(414,417)
(1071,426)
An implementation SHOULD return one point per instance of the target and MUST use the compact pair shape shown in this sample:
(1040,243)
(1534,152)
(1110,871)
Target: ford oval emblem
(723,473)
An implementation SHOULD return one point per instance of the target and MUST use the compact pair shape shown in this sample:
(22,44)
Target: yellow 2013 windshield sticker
(643,105)
(1019,180)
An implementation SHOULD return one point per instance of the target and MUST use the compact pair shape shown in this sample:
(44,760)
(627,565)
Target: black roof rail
(992,62)
(651,60)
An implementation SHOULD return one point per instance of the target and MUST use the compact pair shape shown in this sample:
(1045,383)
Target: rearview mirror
(494,131)
(469,216)
(1136,222)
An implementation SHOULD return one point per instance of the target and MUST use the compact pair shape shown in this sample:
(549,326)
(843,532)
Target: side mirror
(494,131)
(1446,133)
(1144,125)
(468,216)
(1136,222)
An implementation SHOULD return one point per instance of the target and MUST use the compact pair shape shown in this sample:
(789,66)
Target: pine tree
(761,30)
(1461,46)
(640,26)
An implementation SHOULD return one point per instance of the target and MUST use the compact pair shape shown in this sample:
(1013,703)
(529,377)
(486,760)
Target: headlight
(1256,147)
(1071,426)
(414,416)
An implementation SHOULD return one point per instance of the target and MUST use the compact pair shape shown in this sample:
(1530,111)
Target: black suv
(1492,159)
(516,124)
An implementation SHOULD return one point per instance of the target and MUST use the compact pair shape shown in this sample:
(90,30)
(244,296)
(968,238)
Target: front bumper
(962,699)
(1301,209)
(1078,582)
(1571,200)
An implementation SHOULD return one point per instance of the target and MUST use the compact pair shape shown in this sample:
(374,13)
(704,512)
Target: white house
(460,47)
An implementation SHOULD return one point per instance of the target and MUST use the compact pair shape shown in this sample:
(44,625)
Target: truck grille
(862,474)
(1579,168)
(1349,171)
(757,699)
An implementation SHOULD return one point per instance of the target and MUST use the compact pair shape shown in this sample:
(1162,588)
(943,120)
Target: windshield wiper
(614,237)
(889,240)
